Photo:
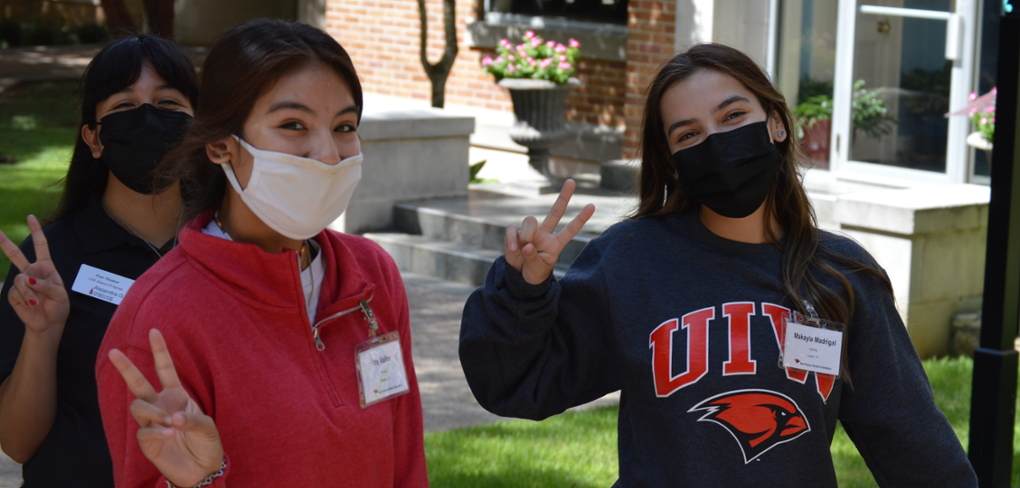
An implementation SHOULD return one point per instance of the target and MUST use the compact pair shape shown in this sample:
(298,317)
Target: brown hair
(243,64)
(787,201)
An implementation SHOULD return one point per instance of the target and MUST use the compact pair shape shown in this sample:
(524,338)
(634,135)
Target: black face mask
(729,172)
(135,141)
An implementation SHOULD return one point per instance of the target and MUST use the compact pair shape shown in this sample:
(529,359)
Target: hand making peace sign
(534,249)
(38,295)
(173,433)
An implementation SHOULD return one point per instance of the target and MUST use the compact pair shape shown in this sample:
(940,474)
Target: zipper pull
(373,326)
(319,346)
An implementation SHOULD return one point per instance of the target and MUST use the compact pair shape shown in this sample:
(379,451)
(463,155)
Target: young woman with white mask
(290,342)
(690,308)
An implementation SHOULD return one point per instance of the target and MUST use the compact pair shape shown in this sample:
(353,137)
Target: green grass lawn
(38,127)
(579,449)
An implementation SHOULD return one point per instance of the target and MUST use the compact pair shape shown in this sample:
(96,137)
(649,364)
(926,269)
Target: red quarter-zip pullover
(235,323)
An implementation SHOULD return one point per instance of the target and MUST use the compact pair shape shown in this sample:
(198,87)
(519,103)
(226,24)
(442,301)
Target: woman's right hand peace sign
(533,250)
(38,295)
(173,433)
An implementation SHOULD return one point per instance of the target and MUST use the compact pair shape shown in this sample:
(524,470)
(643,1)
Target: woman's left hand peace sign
(38,295)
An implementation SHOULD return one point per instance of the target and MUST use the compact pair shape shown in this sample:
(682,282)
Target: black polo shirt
(75,454)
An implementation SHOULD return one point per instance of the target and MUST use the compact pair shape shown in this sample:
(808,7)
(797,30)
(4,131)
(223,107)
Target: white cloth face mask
(295,196)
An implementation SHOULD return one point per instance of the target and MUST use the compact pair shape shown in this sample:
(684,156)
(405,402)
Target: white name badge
(812,348)
(381,372)
(104,285)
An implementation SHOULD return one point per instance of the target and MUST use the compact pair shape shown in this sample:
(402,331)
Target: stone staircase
(457,239)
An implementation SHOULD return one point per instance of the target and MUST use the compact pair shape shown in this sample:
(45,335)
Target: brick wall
(382,37)
(650,40)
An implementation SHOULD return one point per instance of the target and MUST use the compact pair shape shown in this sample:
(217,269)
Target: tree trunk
(160,15)
(118,19)
(439,72)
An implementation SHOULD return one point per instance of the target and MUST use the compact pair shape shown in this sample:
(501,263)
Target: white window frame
(958,156)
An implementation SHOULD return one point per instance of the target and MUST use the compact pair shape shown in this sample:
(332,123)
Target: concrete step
(445,220)
(441,259)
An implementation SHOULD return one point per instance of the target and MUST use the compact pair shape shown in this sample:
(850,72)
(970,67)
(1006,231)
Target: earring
(219,155)
(780,134)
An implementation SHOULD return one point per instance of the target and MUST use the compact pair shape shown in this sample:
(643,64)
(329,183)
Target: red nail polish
(31,281)
(33,302)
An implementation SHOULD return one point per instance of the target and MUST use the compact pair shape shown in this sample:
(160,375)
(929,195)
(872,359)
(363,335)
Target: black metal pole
(993,398)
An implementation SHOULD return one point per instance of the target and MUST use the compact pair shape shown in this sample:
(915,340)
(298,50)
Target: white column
(694,22)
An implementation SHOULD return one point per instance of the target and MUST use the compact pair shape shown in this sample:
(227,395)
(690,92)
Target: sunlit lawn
(38,128)
(579,449)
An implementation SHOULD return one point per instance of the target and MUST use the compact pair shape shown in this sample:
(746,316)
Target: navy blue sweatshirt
(686,324)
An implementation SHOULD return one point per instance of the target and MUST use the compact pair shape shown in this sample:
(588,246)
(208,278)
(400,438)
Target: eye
(169,104)
(346,128)
(122,105)
(293,125)
(685,136)
(734,114)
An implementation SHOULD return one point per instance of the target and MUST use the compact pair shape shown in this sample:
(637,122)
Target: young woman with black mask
(68,277)
(738,332)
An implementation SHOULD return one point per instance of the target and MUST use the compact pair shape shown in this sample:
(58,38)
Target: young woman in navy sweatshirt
(688,309)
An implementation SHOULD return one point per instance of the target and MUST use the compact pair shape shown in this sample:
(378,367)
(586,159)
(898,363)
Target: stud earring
(219,155)
(780,134)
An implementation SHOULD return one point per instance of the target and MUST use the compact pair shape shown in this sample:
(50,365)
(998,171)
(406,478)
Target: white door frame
(960,48)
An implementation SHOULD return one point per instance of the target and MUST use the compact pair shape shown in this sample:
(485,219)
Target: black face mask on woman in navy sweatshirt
(729,172)
(135,141)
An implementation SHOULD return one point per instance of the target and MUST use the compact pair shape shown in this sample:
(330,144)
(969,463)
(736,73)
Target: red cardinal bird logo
(758,419)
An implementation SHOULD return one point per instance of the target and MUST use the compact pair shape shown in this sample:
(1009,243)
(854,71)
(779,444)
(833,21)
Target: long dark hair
(114,68)
(242,65)
(787,201)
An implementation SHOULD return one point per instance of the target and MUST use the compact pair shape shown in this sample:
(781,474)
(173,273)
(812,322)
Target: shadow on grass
(514,476)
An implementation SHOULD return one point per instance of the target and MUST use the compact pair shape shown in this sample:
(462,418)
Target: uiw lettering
(695,326)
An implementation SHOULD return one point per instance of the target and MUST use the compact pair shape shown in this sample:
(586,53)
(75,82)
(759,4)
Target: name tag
(103,285)
(381,373)
(812,348)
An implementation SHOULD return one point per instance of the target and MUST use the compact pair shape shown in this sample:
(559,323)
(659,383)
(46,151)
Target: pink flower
(972,96)
(532,62)
(529,34)
(535,42)
(984,120)
(995,90)
(993,120)
(499,60)
(510,68)
(564,66)
(486,61)
(551,44)
(560,48)
(511,57)
(574,43)
(546,62)
(563,57)
(990,109)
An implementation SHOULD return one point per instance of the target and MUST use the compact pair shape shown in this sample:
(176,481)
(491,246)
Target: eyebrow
(724,104)
(304,108)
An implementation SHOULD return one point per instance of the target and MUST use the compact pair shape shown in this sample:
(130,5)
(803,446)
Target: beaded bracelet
(208,479)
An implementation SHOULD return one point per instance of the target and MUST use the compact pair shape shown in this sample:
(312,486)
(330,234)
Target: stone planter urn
(978,141)
(538,112)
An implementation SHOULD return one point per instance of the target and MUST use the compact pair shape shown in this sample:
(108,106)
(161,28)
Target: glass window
(806,68)
(612,11)
(901,86)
